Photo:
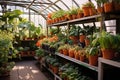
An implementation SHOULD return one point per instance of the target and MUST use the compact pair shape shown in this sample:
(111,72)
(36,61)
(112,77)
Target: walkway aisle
(26,70)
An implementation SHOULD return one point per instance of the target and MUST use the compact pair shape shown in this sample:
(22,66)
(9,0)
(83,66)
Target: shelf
(110,62)
(56,76)
(28,40)
(103,61)
(78,62)
(77,21)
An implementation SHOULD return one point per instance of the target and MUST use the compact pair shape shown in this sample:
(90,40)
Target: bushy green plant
(6,51)
(39,52)
(88,4)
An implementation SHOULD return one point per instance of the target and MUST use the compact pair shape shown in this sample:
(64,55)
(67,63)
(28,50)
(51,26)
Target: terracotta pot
(82,38)
(80,15)
(61,51)
(55,69)
(100,10)
(108,7)
(76,55)
(71,53)
(108,53)
(69,17)
(82,58)
(74,16)
(86,11)
(92,11)
(87,42)
(65,78)
(93,60)
(65,51)
(74,39)
(117,6)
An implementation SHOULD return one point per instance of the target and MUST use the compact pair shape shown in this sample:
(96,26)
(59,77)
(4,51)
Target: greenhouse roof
(43,7)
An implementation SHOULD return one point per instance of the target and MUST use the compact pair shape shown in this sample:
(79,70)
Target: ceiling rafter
(26,2)
(65,5)
(30,4)
(76,3)
(17,4)
(51,5)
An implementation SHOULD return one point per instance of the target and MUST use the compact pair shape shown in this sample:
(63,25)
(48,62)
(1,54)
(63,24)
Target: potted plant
(92,53)
(88,9)
(76,52)
(53,31)
(79,13)
(6,52)
(65,49)
(39,53)
(108,6)
(82,54)
(100,8)
(108,44)
(73,33)
(117,5)
(72,14)
(71,51)
(56,67)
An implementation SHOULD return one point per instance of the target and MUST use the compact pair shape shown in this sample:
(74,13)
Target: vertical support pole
(29,15)
(102,23)
(47,29)
(100,70)
(117,26)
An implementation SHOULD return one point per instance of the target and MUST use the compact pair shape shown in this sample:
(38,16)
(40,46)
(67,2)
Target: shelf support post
(100,70)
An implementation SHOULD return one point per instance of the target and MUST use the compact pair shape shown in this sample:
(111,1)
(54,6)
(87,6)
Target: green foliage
(72,11)
(54,30)
(74,30)
(106,40)
(39,52)
(28,29)
(7,51)
(58,14)
(88,4)
(93,51)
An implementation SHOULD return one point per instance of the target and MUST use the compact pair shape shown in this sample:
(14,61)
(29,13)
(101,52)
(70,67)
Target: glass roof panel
(60,4)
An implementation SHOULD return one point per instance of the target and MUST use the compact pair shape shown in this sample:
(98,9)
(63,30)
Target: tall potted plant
(92,53)
(108,43)
(6,52)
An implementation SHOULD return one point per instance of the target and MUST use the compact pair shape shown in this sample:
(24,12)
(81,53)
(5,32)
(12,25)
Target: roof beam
(76,3)
(27,2)
(31,4)
(65,5)
(50,5)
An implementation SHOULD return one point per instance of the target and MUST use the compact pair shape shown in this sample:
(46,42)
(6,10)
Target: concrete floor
(26,70)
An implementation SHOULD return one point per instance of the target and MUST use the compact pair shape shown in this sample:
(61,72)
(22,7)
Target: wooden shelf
(78,62)
(78,21)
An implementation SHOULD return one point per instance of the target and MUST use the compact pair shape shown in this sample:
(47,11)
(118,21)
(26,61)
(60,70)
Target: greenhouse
(59,39)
